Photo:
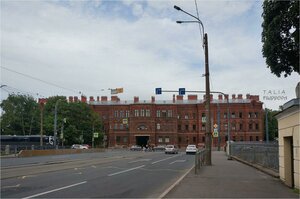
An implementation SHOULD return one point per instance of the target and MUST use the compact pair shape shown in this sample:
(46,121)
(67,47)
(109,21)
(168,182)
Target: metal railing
(260,153)
(200,160)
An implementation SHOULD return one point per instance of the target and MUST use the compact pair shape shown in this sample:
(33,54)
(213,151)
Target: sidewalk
(230,179)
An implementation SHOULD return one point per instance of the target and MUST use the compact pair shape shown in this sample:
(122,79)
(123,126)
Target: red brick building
(177,121)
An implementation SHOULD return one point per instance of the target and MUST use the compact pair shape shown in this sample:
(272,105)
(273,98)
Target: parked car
(191,148)
(171,149)
(80,146)
(135,148)
(159,148)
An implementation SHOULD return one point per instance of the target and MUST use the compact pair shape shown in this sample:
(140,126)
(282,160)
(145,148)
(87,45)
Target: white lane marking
(112,174)
(163,159)
(13,186)
(173,185)
(177,161)
(46,192)
(141,160)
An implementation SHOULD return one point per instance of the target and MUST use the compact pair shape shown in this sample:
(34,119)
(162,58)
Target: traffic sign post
(181,91)
(158,91)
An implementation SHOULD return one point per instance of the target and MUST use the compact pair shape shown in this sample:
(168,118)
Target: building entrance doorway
(142,140)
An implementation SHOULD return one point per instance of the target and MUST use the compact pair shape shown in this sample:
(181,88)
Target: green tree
(272,124)
(20,115)
(280,36)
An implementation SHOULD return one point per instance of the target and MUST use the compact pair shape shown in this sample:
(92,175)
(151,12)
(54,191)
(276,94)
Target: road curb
(174,184)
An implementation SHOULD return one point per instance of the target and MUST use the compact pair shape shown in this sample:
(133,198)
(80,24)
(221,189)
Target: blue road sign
(181,91)
(157,91)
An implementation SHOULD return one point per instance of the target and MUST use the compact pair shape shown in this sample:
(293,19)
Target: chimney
(91,99)
(233,96)
(174,99)
(240,96)
(136,99)
(114,98)
(220,97)
(83,98)
(152,99)
(98,98)
(70,98)
(103,98)
(179,97)
(226,96)
(75,99)
(192,97)
(248,96)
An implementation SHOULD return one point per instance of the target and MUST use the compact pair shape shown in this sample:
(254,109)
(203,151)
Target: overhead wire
(37,79)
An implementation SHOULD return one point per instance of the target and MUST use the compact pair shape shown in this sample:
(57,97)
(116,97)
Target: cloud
(89,46)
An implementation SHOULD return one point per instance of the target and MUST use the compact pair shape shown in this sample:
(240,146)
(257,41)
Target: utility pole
(207,103)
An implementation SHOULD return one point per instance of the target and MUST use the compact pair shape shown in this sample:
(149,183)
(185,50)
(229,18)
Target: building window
(194,115)
(203,139)
(194,127)
(125,139)
(118,139)
(240,115)
(158,113)
(142,113)
(164,113)
(256,138)
(251,139)
(160,139)
(249,115)
(194,139)
(225,126)
(157,126)
(225,115)
(233,126)
(203,118)
(167,139)
(179,127)
(241,126)
(203,127)
(169,113)
(127,114)
(186,127)
(121,126)
(121,114)
(256,115)
(116,126)
(256,127)
(147,113)
(116,114)
(136,113)
(186,116)
(233,115)
(233,138)
(250,126)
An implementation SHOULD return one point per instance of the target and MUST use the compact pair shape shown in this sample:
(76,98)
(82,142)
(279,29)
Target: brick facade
(177,121)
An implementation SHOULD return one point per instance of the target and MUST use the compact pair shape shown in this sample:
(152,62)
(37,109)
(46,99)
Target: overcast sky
(66,48)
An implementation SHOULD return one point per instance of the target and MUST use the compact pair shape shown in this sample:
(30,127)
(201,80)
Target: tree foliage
(272,124)
(77,121)
(20,115)
(280,36)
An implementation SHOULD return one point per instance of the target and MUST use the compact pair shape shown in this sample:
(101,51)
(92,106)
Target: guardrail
(200,159)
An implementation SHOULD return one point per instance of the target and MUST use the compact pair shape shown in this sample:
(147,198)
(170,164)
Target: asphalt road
(113,174)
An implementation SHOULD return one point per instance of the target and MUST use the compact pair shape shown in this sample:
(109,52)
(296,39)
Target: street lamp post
(55,123)
(207,87)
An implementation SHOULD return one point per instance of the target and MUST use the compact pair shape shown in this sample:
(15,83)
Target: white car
(171,149)
(191,148)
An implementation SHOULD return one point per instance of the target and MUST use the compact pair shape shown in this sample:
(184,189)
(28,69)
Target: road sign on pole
(215,133)
(181,91)
(158,91)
